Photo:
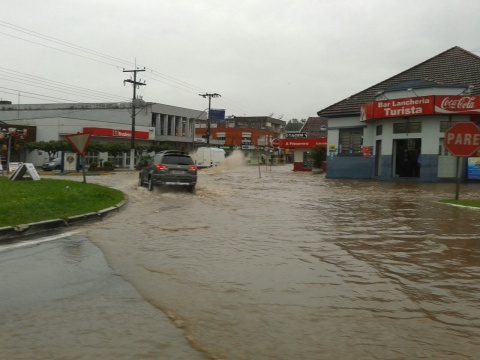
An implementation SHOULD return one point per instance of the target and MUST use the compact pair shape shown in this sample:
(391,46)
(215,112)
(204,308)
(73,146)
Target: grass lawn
(470,203)
(27,201)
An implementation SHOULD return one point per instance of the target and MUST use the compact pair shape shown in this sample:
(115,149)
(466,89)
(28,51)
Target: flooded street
(291,265)
(295,266)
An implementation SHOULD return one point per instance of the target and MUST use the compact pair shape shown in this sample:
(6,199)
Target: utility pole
(135,84)
(214,95)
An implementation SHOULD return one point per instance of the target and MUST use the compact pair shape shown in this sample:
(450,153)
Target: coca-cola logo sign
(457,104)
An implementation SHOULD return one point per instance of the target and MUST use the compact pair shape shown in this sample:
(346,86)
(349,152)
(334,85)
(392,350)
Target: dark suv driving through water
(169,168)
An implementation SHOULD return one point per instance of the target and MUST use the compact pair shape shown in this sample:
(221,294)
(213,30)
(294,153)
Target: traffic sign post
(276,143)
(80,143)
(462,140)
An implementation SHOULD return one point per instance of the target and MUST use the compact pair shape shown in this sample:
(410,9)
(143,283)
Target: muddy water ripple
(295,266)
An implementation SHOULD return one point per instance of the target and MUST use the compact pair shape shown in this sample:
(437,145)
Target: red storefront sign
(116,133)
(457,104)
(299,143)
(421,105)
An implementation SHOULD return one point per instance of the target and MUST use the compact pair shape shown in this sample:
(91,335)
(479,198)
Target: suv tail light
(193,167)
(161,166)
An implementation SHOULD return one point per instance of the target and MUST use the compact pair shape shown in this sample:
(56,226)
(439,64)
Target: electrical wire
(153,75)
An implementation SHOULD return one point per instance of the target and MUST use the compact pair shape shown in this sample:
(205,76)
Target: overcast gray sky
(289,58)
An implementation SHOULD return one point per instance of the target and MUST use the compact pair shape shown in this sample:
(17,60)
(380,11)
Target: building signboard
(457,104)
(116,133)
(216,114)
(380,109)
(473,168)
(421,105)
(296,135)
(302,143)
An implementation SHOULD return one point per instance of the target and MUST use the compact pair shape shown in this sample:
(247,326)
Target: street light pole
(214,95)
(194,127)
(135,83)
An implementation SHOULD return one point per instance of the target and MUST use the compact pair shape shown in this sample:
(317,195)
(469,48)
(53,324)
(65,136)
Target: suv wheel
(140,182)
(191,189)
(150,184)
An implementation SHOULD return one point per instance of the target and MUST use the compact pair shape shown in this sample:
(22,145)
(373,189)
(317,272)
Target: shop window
(116,161)
(307,160)
(407,128)
(90,157)
(445,125)
(350,141)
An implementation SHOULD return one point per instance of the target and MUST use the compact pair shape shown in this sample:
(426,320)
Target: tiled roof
(312,127)
(455,66)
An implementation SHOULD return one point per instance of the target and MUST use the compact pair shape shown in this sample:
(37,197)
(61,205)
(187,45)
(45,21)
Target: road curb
(9,233)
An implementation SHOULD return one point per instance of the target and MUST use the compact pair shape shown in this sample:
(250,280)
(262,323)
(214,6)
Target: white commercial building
(155,124)
(395,130)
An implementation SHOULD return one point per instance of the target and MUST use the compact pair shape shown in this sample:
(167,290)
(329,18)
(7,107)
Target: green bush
(143,161)
(318,155)
(107,164)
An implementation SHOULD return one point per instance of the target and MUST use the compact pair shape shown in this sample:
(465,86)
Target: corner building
(395,129)
(107,123)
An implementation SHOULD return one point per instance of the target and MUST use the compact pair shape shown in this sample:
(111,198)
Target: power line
(135,84)
(36,79)
(154,75)
(53,48)
(61,42)
(43,96)
(65,91)
(209,96)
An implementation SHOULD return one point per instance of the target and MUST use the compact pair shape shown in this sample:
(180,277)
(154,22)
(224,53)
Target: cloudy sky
(287,58)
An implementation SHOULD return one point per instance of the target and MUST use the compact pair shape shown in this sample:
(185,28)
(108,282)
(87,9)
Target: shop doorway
(378,157)
(406,155)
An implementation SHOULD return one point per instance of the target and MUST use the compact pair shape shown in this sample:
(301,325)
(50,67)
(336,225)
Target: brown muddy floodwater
(295,266)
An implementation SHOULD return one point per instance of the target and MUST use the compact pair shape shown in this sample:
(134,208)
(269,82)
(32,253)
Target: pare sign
(463,139)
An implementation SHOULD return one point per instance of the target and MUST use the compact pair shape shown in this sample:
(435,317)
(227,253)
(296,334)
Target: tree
(116,149)
(157,148)
(318,155)
(295,125)
(51,147)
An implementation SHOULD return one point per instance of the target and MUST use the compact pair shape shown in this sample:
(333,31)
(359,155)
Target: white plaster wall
(430,134)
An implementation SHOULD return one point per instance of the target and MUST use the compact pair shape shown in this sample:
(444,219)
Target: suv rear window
(177,159)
